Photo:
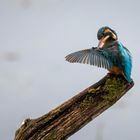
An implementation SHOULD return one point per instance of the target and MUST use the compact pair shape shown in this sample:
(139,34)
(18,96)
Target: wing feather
(93,56)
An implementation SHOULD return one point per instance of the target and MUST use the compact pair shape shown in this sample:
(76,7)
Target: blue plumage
(126,62)
(110,54)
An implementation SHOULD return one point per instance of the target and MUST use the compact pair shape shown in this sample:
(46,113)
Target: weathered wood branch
(72,115)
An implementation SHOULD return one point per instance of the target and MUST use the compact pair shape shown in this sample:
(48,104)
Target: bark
(75,113)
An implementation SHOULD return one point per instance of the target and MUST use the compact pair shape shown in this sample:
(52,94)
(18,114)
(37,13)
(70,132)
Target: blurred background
(36,35)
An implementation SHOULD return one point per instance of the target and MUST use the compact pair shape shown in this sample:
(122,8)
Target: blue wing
(93,56)
(114,54)
(126,62)
(120,57)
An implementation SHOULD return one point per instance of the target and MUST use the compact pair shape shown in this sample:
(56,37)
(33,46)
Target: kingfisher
(110,54)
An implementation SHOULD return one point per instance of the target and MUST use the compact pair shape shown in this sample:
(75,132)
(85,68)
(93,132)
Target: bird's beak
(102,41)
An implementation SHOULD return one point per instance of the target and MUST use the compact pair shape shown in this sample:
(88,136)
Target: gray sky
(36,35)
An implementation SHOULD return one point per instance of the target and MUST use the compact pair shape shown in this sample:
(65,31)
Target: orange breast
(115,70)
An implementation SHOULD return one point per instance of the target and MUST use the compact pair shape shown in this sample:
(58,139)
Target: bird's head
(106,35)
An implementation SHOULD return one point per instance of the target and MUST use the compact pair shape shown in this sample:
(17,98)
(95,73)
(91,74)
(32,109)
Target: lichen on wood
(68,118)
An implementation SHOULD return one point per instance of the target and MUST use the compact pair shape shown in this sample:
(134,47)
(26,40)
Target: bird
(110,54)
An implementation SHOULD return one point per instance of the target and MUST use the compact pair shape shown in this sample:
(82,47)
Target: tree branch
(75,113)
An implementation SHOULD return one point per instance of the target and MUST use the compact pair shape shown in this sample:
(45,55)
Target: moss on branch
(68,118)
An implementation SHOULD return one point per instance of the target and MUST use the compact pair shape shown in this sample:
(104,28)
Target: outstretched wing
(94,56)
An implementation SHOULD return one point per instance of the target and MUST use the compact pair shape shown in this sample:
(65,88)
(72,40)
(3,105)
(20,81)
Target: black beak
(102,41)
